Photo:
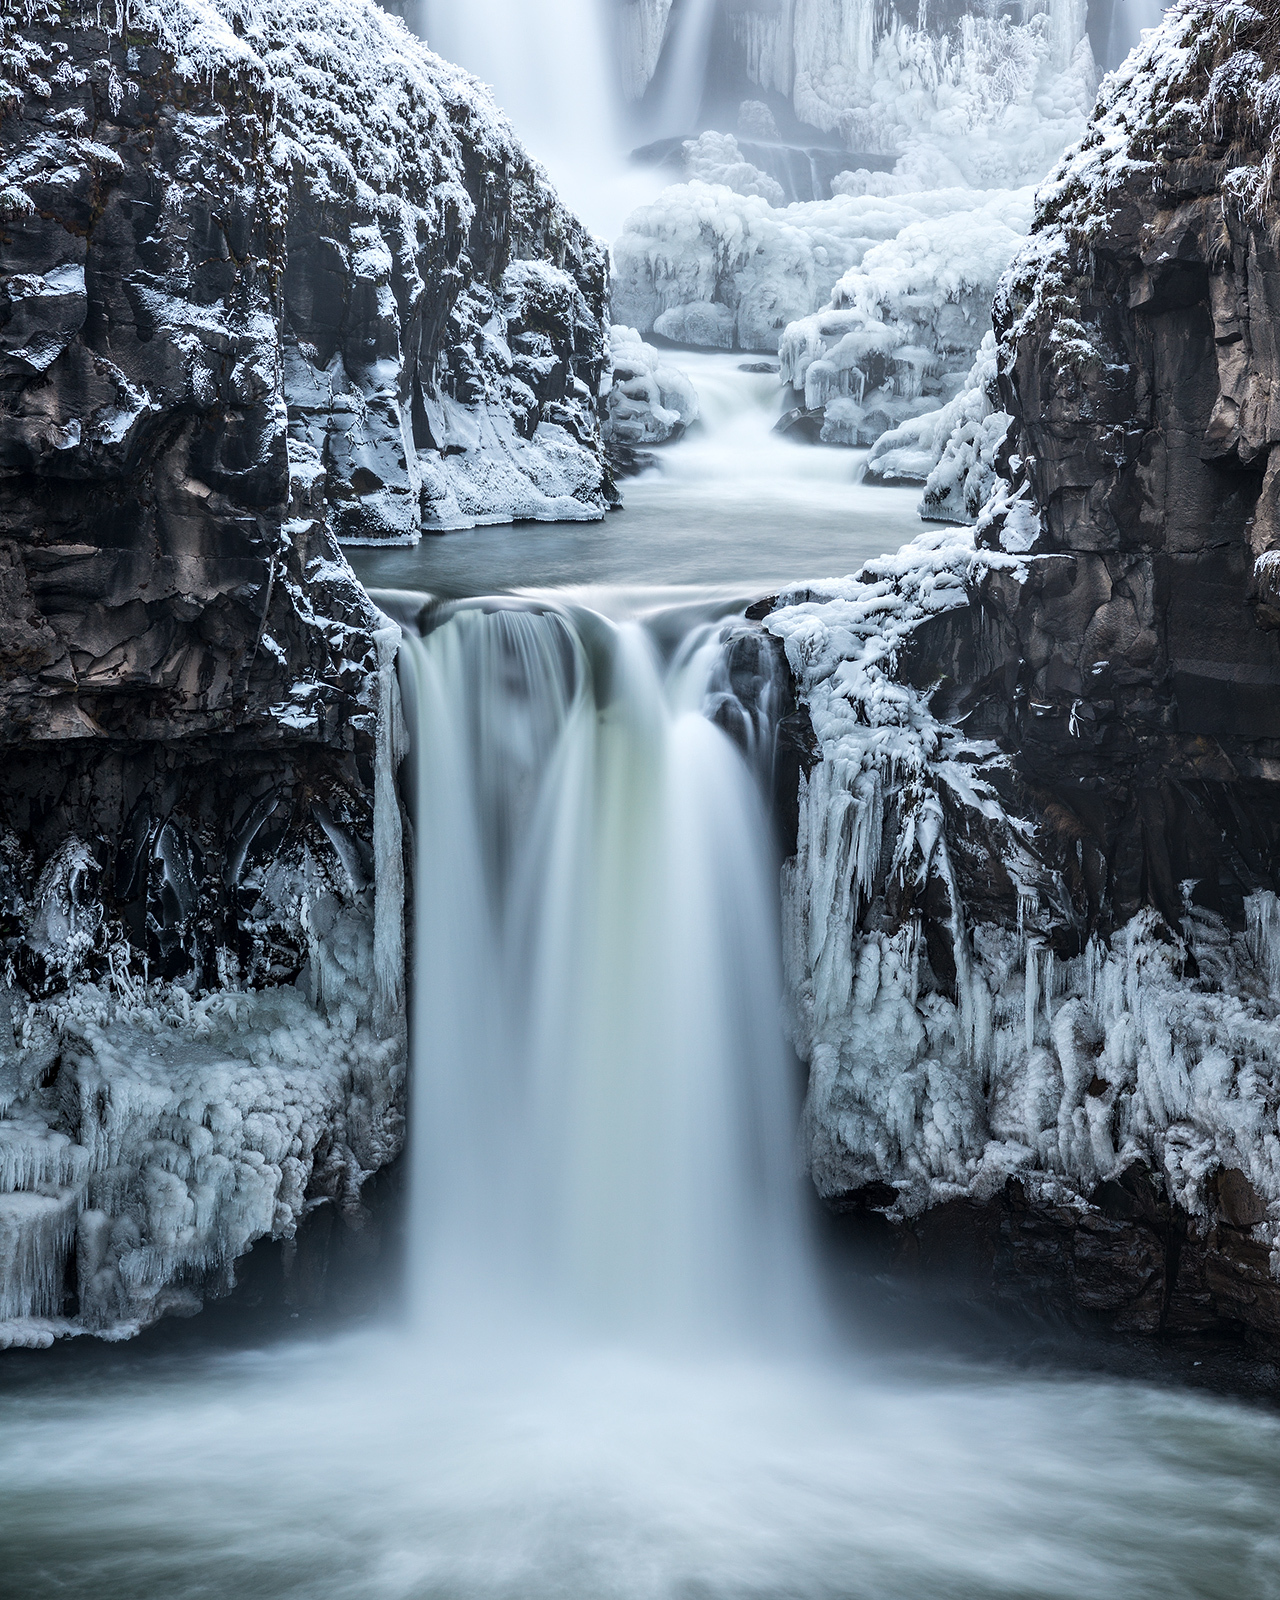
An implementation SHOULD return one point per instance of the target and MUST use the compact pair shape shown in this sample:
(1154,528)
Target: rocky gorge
(1033,911)
(271,276)
(278,280)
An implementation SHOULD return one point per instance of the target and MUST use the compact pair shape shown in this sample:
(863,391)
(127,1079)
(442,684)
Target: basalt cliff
(1032,915)
(271,275)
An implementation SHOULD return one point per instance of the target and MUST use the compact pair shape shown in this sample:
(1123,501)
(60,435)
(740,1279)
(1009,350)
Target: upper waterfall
(547,61)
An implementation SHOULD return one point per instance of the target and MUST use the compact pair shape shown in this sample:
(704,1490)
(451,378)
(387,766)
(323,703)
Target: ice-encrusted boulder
(761,268)
(952,450)
(904,325)
(1033,914)
(270,274)
(716,158)
(650,400)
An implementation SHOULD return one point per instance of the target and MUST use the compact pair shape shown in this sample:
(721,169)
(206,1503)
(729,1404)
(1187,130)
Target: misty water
(733,507)
(618,1371)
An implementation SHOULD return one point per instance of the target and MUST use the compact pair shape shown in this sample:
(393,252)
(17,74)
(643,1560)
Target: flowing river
(618,1374)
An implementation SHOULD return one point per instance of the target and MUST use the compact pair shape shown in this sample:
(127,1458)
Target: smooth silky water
(615,1377)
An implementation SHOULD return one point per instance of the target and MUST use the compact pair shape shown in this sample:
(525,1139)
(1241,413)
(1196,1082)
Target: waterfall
(547,61)
(684,70)
(1129,21)
(602,1123)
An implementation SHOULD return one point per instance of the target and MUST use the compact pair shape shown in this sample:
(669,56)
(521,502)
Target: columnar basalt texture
(271,276)
(1033,915)
(1141,365)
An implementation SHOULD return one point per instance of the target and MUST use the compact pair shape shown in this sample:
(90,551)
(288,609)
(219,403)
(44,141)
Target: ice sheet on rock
(649,398)
(991,99)
(763,268)
(642,27)
(951,450)
(906,323)
(1161,1046)
(716,158)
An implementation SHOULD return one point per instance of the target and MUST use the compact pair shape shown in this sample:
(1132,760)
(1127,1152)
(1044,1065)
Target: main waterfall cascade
(603,1110)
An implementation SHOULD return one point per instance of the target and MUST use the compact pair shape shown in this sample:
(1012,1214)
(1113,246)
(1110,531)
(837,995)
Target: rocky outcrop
(271,276)
(1140,359)
(1032,914)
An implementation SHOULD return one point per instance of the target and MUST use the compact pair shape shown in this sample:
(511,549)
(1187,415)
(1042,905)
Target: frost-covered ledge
(1032,918)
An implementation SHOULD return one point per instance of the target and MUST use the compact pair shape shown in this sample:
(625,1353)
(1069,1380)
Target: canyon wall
(1033,912)
(271,276)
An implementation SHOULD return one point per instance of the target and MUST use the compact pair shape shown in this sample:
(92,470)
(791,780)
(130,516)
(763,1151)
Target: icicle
(388,834)
(36,1234)
(1262,919)
(1031,1001)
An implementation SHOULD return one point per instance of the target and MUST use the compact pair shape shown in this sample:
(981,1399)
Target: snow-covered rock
(1032,916)
(952,450)
(716,158)
(766,267)
(904,325)
(393,203)
(650,400)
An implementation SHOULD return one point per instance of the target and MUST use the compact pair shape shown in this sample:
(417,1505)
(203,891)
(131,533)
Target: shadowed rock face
(176,604)
(143,449)
(270,276)
(1096,897)
(1138,668)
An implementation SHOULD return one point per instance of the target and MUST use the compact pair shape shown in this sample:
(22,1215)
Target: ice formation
(951,450)
(903,326)
(642,26)
(748,269)
(650,400)
(948,1053)
(993,99)
(716,158)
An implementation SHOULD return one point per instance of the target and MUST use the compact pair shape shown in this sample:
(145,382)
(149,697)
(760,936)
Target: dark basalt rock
(250,290)
(1126,671)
